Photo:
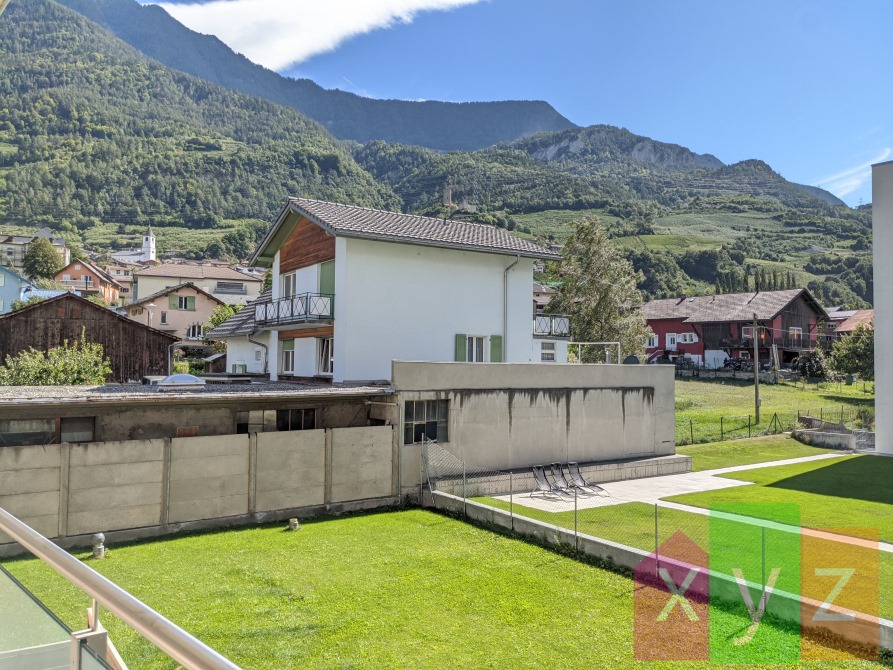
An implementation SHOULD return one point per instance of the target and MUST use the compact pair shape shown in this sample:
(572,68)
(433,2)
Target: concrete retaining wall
(820,438)
(153,487)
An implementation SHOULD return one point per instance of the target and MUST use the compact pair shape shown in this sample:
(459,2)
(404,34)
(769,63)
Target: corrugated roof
(376,224)
(861,317)
(195,272)
(242,323)
(726,307)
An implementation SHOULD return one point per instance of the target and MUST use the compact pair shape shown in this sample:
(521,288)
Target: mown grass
(746,452)
(409,589)
(701,402)
(678,243)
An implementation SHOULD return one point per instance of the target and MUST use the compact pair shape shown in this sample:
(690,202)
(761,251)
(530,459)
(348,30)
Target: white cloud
(281,33)
(845,182)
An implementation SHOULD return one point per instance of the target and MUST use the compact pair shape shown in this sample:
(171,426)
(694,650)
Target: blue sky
(806,85)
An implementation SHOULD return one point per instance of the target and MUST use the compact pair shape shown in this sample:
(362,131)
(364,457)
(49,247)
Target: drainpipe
(266,350)
(505,308)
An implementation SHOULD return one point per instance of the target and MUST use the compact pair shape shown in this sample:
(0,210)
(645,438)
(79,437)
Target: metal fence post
(748,425)
(656,549)
(464,497)
(512,499)
(722,432)
(763,561)
(691,428)
(576,534)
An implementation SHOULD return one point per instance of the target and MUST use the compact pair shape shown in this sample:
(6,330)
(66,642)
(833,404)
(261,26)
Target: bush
(81,363)
(181,367)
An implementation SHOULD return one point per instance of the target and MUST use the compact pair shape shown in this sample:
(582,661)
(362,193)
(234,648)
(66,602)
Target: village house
(854,319)
(355,288)
(123,274)
(146,254)
(89,280)
(228,285)
(182,311)
(134,350)
(709,330)
(14,247)
(12,287)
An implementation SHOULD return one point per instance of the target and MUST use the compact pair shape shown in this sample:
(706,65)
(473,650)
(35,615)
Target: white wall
(882,222)
(239,351)
(408,302)
(305,357)
(536,351)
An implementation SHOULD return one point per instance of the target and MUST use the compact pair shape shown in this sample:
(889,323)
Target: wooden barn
(134,350)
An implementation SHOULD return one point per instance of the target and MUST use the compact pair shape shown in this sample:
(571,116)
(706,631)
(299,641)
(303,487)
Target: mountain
(443,126)
(92,131)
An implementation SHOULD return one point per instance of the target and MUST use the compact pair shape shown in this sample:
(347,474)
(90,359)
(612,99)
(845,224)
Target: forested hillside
(439,125)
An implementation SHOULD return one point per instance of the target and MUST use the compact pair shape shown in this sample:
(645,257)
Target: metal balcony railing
(301,308)
(551,325)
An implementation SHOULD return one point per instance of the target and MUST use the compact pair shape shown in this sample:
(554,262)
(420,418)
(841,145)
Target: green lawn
(745,452)
(852,491)
(409,589)
(700,403)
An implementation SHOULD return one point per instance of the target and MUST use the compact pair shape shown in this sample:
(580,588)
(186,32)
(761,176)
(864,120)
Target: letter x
(678,594)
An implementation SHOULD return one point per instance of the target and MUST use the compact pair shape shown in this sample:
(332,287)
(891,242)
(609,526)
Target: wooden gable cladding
(307,245)
(322,331)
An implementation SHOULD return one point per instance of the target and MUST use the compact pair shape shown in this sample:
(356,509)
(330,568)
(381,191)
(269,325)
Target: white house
(882,224)
(355,288)
(146,254)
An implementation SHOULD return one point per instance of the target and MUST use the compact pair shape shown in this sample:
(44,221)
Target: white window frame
(190,332)
(163,318)
(687,338)
(653,341)
(795,331)
(747,332)
(547,352)
(287,357)
(288,285)
(325,356)
(672,341)
(477,349)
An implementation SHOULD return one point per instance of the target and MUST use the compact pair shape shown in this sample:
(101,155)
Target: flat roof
(147,394)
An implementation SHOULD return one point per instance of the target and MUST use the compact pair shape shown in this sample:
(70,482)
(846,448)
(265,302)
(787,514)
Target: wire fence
(700,430)
(743,538)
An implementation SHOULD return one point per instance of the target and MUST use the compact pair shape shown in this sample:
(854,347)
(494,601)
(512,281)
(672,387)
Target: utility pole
(756,370)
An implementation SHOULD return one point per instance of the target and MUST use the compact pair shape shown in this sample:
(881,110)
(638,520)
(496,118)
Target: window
(257,355)
(653,342)
(17,433)
(295,419)
(747,332)
(1,305)
(425,420)
(77,266)
(687,338)
(163,318)
(795,332)
(288,356)
(547,352)
(326,356)
(66,277)
(137,311)
(77,429)
(289,285)
(183,302)
(230,287)
(195,332)
(88,280)
(476,349)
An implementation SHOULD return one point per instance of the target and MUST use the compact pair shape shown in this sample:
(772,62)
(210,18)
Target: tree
(222,313)
(16,305)
(41,259)
(598,292)
(854,354)
(268,281)
(80,363)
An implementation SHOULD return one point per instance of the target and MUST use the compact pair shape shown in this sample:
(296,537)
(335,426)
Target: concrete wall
(515,416)
(239,351)
(882,224)
(420,298)
(160,486)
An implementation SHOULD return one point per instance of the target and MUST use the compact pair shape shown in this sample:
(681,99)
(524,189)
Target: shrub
(75,364)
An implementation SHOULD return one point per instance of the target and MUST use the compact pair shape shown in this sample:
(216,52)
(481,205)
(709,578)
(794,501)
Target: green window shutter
(327,278)
(496,348)
(461,344)
(190,303)
(172,301)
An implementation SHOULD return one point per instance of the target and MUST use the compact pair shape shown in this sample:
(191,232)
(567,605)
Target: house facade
(12,287)
(14,247)
(354,289)
(89,280)
(709,330)
(228,285)
(183,311)
(133,350)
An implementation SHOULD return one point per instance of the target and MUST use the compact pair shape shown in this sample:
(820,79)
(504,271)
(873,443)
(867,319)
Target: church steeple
(148,246)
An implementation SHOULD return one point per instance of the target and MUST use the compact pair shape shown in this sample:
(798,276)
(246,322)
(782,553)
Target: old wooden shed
(134,350)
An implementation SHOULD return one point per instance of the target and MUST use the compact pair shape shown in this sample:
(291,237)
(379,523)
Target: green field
(746,452)
(701,402)
(409,589)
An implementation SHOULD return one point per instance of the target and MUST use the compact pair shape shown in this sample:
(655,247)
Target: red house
(711,329)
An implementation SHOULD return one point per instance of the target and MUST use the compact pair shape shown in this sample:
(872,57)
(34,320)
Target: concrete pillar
(882,224)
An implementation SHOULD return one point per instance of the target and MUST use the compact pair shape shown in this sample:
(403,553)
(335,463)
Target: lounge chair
(543,486)
(577,480)
(558,476)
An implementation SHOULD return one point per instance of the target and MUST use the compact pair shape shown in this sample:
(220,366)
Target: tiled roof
(173,289)
(727,307)
(376,224)
(195,272)
(242,323)
(862,317)
(102,274)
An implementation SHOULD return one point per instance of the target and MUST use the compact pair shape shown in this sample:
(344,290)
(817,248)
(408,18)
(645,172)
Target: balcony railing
(790,342)
(551,325)
(79,285)
(301,308)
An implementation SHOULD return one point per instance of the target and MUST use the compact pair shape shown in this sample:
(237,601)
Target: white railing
(168,637)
